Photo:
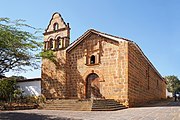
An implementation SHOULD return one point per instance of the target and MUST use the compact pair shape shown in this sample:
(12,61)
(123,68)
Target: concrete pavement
(166,110)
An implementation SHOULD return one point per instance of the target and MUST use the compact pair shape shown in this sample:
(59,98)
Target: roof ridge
(115,38)
(79,38)
(99,33)
(110,35)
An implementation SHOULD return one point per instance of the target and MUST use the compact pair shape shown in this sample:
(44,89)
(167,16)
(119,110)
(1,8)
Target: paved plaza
(159,111)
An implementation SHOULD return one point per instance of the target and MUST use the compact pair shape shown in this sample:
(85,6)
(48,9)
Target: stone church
(97,66)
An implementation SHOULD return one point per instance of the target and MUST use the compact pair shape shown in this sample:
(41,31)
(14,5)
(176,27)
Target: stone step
(57,108)
(107,109)
(85,105)
(115,106)
(74,105)
(106,105)
(58,102)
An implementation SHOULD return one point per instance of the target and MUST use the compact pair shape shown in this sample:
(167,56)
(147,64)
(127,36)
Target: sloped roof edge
(77,41)
(52,19)
(112,37)
(147,59)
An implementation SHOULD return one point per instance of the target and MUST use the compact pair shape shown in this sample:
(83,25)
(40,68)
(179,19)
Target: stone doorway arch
(93,86)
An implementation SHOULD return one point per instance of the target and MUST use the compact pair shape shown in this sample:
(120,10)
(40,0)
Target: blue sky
(153,24)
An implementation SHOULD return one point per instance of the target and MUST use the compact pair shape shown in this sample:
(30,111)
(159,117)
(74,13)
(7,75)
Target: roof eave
(88,32)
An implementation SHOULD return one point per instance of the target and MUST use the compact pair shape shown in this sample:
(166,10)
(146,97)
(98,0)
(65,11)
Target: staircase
(68,104)
(83,105)
(107,105)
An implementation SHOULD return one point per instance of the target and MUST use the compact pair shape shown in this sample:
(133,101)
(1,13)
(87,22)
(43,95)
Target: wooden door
(93,86)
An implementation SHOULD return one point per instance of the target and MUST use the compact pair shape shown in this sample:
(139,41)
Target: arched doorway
(93,86)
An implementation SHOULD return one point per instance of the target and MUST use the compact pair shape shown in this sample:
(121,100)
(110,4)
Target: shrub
(7,88)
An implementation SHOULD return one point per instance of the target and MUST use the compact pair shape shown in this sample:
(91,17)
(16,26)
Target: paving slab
(165,110)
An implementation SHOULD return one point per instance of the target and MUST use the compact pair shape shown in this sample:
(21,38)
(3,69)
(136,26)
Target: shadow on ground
(29,116)
(162,103)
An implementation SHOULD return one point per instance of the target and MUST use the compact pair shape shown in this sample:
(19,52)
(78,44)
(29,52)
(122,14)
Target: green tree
(47,54)
(173,83)
(17,46)
(7,88)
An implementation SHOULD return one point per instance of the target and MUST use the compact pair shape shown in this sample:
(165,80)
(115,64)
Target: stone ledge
(17,107)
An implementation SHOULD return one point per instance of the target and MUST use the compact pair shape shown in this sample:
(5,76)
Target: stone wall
(144,82)
(54,76)
(54,73)
(122,83)
(124,73)
(111,67)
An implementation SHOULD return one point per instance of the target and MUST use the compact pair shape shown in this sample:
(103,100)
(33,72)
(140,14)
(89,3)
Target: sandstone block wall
(123,73)
(144,83)
(111,67)
(54,76)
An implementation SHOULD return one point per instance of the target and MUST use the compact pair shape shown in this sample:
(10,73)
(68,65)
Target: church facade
(97,66)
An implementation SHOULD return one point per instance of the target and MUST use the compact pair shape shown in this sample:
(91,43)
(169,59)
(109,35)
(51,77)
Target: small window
(56,26)
(157,83)
(92,61)
(58,42)
(147,74)
(51,43)
(148,78)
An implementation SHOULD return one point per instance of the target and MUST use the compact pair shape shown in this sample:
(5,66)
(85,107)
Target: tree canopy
(17,45)
(173,83)
(7,88)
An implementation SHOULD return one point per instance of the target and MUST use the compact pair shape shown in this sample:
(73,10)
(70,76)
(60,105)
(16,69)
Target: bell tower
(57,34)
(54,73)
